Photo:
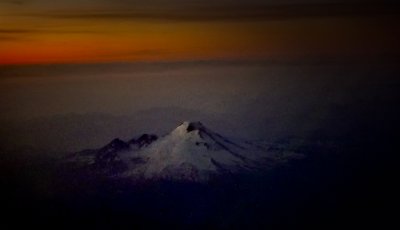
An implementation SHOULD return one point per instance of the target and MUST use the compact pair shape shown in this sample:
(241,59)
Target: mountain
(190,152)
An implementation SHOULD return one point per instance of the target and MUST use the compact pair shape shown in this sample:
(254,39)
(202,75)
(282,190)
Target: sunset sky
(298,101)
(91,31)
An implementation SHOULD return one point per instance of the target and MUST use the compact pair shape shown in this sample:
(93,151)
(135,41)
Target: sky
(92,31)
(73,107)
(77,73)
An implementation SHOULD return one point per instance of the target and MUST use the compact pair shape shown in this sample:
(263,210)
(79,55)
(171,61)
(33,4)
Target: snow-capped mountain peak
(189,152)
(187,127)
(192,151)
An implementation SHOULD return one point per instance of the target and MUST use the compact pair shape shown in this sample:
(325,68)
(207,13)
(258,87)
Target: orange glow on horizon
(132,42)
(44,41)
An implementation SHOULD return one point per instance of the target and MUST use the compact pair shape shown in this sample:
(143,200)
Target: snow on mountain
(143,141)
(190,152)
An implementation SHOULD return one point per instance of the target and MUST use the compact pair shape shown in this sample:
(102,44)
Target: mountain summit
(190,152)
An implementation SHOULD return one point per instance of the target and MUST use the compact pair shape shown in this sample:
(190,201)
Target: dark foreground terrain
(350,184)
